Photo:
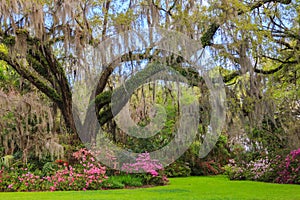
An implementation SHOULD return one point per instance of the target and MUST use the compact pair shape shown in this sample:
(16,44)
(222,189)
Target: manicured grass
(207,188)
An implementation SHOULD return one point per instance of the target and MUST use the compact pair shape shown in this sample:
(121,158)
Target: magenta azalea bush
(86,175)
(289,170)
(149,169)
(277,170)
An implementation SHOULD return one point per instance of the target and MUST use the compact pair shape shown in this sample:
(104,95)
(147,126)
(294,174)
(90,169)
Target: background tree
(255,43)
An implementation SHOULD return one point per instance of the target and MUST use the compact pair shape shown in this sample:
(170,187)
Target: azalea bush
(289,169)
(258,170)
(234,171)
(150,170)
(87,174)
(280,169)
(19,179)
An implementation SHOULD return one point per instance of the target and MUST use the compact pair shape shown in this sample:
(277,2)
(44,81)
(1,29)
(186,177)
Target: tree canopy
(255,43)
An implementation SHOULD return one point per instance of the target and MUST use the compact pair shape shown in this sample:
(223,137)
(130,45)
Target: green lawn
(218,187)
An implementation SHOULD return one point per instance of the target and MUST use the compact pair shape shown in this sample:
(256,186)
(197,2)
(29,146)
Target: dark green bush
(128,180)
(112,183)
(178,169)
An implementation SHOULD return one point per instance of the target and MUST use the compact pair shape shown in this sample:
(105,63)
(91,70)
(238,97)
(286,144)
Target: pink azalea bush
(259,168)
(254,170)
(1,174)
(86,175)
(279,169)
(234,171)
(149,169)
(289,169)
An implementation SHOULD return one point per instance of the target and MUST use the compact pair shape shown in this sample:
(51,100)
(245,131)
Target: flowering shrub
(257,170)
(19,180)
(86,175)
(150,170)
(277,170)
(234,171)
(1,174)
(289,170)
(62,163)
(143,164)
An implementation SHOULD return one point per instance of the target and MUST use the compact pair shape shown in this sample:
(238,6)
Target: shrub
(19,180)
(178,169)
(126,180)
(258,170)
(206,168)
(234,171)
(6,161)
(87,174)
(49,168)
(274,170)
(151,171)
(289,169)
(112,184)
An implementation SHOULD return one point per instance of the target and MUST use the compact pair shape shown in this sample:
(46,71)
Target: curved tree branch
(211,31)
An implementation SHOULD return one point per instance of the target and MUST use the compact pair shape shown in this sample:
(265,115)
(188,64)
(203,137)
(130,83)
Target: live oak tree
(252,40)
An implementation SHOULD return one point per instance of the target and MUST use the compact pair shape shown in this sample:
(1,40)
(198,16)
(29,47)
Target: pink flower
(52,188)
(154,173)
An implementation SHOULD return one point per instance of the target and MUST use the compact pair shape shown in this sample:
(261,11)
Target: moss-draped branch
(208,35)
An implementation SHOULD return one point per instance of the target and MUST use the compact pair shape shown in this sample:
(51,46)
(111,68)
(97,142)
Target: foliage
(26,126)
(121,181)
(150,170)
(277,169)
(87,175)
(212,163)
(255,170)
(178,169)
(141,105)
(49,168)
(6,161)
(113,184)
(289,170)
(11,80)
